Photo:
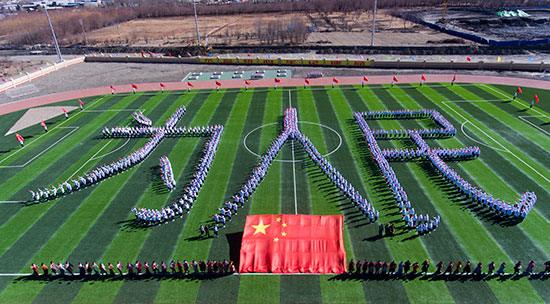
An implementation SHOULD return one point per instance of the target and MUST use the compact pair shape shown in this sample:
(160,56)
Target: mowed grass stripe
(319,186)
(474,236)
(266,200)
(98,203)
(124,244)
(427,188)
(409,248)
(231,114)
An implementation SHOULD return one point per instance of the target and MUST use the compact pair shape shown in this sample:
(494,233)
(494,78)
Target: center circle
(289,160)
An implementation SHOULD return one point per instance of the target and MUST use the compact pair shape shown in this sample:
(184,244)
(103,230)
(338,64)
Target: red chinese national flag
(306,81)
(64,111)
(365,78)
(454,77)
(277,80)
(395,79)
(519,90)
(468,58)
(134,86)
(334,80)
(218,83)
(112,87)
(423,77)
(247,82)
(288,243)
(42,123)
(162,85)
(537,98)
(190,84)
(18,137)
(80,102)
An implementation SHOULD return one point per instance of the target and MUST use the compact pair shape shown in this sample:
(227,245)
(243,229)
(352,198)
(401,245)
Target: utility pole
(444,10)
(83,31)
(119,37)
(373,23)
(58,51)
(196,22)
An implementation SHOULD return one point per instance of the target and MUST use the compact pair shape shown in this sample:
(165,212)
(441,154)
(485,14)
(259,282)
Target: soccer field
(96,224)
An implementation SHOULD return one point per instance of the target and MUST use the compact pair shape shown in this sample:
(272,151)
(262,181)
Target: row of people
(123,132)
(142,119)
(452,268)
(166,173)
(101,172)
(519,210)
(398,191)
(191,192)
(137,268)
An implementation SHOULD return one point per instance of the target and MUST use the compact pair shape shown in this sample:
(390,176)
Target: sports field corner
(96,224)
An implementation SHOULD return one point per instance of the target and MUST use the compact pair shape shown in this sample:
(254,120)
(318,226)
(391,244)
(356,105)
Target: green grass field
(95,224)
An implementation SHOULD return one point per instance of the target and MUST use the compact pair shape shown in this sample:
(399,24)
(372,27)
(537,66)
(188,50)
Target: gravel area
(92,75)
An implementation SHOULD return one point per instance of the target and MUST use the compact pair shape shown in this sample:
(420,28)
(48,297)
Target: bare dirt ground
(328,29)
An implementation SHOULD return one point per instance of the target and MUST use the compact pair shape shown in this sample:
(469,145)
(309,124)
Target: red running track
(288,82)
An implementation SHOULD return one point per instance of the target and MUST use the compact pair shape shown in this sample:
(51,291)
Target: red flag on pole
(334,80)
(247,82)
(468,58)
(454,77)
(289,243)
(42,123)
(80,102)
(306,81)
(365,78)
(218,83)
(537,98)
(395,79)
(162,85)
(277,80)
(18,137)
(519,90)
(112,87)
(134,86)
(190,84)
(64,111)
(248,55)
(423,77)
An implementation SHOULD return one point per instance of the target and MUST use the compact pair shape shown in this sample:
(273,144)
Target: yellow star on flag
(278,219)
(285,224)
(260,227)
(283,233)
(276,239)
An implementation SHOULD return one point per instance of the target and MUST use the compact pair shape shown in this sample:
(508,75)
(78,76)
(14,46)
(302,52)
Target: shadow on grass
(113,278)
(437,277)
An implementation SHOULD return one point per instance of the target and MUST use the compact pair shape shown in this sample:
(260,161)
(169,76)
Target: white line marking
(89,160)
(532,124)
(185,77)
(45,150)
(58,126)
(115,150)
(501,145)
(474,100)
(12,202)
(477,141)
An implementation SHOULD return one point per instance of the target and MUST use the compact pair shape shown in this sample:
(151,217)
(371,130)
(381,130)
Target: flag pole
(373,23)
(196,22)
(57,50)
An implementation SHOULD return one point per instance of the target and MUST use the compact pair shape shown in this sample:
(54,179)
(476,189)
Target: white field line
(12,202)
(58,126)
(501,145)
(186,77)
(475,140)
(475,100)
(45,150)
(532,124)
